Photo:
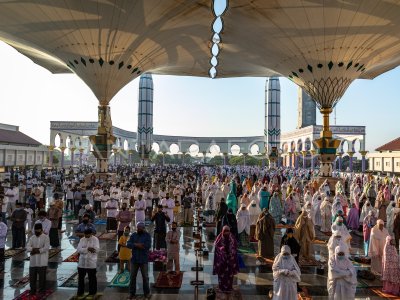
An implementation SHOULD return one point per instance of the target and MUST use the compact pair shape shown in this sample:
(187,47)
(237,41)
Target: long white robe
(342,278)
(168,207)
(377,243)
(333,242)
(243,221)
(254,212)
(140,206)
(286,274)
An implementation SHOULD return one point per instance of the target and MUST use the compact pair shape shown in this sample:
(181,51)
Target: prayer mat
(70,217)
(108,236)
(169,280)
(71,282)
(12,252)
(52,252)
(327,233)
(304,295)
(72,258)
(86,296)
(309,263)
(283,226)
(21,283)
(40,296)
(233,295)
(382,294)
(241,263)
(247,250)
(157,255)
(265,261)
(213,224)
(73,237)
(121,279)
(100,222)
(74,222)
(113,258)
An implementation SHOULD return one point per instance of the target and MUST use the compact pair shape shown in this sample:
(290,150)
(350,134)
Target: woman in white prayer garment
(286,274)
(342,277)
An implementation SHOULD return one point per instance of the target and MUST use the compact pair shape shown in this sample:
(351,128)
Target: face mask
(85,221)
(140,231)
(367,204)
(285,256)
(37,233)
(174,228)
(253,205)
(340,223)
(341,257)
(126,233)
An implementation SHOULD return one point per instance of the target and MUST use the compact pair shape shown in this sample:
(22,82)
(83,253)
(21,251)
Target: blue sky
(32,97)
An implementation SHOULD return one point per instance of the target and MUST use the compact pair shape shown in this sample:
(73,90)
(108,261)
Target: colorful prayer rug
(40,296)
(74,222)
(168,280)
(233,295)
(100,222)
(12,252)
(303,295)
(121,279)
(113,258)
(71,282)
(241,263)
(383,295)
(247,250)
(309,263)
(319,242)
(52,252)
(283,226)
(157,255)
(72,258)
(86,296)
(21,282)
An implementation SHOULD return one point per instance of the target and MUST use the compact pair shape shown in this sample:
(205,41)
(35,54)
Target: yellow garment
(124,253)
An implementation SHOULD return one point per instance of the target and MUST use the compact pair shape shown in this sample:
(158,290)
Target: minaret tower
(145,118)
(272,131)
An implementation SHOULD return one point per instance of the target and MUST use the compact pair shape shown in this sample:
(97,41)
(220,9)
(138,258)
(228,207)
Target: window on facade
(398,164)
(387,164)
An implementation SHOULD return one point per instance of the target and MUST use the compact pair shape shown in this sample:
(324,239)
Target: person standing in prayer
(124,218)
(390,268)
(168,205)
(230,220)
(18,218)
(160,230)
(377,244)
(390,213)
(396,228)
(289,240)
(225,259)
(209,208)
(54,216)
(340,228)
(38,245)
(334,241)
(112,212)
(286,274)
(290,210)
(316,210)
(140,207)
(140,243)
(342,277)
(365,211)
(187,208)
(265,230)
(243,223)
(368,223)
(173,237)
(3,237)
(326,215)
(222,210)
(353,218)
(264,196)
(254,212)
(231,200)
(275,207)
(305,234)
(88,248)
(124,253)
(381,204)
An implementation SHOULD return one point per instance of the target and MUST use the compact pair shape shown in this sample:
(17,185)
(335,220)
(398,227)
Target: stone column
(225,155)
(72,150)
(339,155)
(80,156)
(296,160)
(62,148)
(313,152)
(350,153)
(115,151)
(290,159)
(130,155)
(163,157)
(363,153)
(304,154)
(204,156)
(244,158)
(51,152)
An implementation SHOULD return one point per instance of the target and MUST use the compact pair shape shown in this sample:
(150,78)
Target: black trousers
(92,281)
(54,239)
(33,275)
(70,204)
(97,207)
(2,251)
(18,237)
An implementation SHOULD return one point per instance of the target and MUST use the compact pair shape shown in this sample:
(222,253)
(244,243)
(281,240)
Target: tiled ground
(254,281)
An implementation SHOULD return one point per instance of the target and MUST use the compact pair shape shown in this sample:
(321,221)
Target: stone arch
(254,149)
(235,149)
(292,146)
(126,145)
(299,145)
(58,140)
(174,148)
(194,149)
(155,147)
(285,147)
(214,150)
(307,144)
(77,142)
(356,145)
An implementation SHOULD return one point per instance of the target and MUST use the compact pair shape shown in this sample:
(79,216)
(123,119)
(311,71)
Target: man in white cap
(377,245)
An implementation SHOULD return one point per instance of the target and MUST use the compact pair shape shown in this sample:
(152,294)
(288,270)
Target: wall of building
(13,156)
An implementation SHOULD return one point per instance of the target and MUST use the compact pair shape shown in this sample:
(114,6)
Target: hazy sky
(31,97)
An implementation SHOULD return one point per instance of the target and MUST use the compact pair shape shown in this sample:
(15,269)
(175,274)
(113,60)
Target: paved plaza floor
(254,281)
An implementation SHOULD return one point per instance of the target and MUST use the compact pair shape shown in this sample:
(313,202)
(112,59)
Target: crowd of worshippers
(244,203)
